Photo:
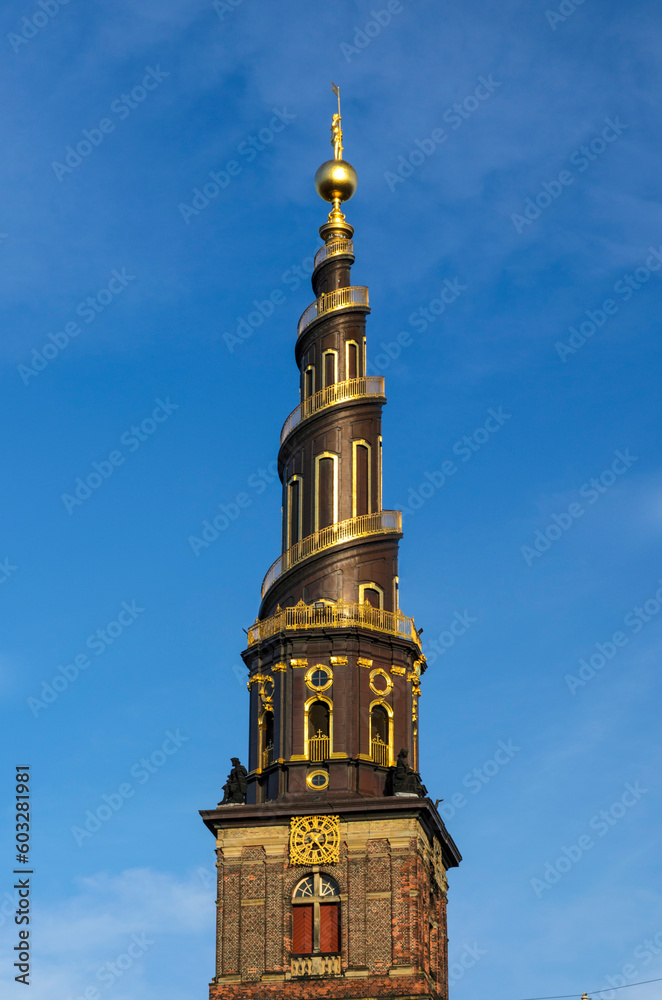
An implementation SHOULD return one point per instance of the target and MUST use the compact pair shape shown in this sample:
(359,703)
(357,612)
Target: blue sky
(152,351)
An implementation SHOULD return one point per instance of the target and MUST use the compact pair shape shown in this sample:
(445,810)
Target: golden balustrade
(318,747)
(339,615)
(339,392)
(381,753)
(339,298)
(342,531)
(335,248)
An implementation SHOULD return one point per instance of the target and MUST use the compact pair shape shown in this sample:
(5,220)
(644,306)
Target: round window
(319,677)
(317,779)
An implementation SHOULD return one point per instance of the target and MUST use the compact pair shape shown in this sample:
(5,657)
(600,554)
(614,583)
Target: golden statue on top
(336,136)
(336,179)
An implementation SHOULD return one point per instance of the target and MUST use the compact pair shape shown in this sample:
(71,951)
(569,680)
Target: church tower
(331,858)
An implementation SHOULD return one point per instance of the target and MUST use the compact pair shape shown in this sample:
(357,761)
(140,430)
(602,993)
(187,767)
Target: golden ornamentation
(339,392)
(339,615)
(334,248)
(278,667)
(265,686)
(317,780)
(298,663)
(319,677)
(314,840)
(362,662)
(381,753)
(383,522)
(400,671)
(382,691)
(338,661)
(349,297)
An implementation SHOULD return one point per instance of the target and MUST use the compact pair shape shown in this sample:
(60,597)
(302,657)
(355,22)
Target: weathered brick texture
(393,918)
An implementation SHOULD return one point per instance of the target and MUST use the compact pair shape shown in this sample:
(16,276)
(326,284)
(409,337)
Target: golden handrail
(342,531)
(339,615)
(333,249)
(339,298)
(380,752)
(353,388)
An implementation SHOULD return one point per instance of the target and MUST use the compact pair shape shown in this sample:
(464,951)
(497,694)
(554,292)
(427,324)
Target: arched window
(326,492)
(294,511)
(372,593)
(330,363)
(319,729)
(308,382)
(361,490)
(380,735)
(316,916)
(351,359)
(267,729)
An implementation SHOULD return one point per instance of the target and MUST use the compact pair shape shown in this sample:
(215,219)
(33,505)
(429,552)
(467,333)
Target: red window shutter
(302,930)
(329,928)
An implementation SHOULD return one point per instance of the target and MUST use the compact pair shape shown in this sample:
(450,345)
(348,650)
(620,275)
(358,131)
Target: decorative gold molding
(382,692)
(338,661)
(278,667)
(362,662)
(298,663)
(399,671)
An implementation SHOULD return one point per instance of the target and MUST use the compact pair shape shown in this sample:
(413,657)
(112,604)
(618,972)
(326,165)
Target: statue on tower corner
(407,781)
(234,789)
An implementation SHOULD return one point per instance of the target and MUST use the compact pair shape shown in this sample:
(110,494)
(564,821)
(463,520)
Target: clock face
(314,840)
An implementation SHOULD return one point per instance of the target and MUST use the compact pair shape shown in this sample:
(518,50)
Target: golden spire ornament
(336,179)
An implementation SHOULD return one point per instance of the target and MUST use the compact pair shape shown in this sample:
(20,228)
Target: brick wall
(393,916)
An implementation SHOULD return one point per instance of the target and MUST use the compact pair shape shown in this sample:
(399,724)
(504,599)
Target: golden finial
(336,179)
(336,127)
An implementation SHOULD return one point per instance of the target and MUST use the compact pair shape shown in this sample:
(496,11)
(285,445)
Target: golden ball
(336,179)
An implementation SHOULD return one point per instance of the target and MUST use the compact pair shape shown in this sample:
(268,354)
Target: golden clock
(314,840)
